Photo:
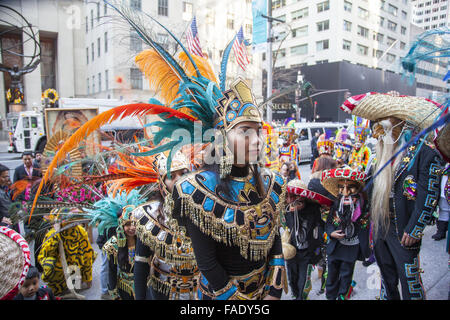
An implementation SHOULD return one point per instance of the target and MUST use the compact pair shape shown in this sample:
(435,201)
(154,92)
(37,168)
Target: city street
(433,259)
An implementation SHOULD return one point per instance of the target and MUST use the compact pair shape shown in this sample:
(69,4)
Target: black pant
(156,295)
(397,263)
(339,280)
(299,270)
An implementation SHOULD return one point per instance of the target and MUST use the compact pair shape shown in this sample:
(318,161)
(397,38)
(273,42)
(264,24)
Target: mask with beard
(348,212)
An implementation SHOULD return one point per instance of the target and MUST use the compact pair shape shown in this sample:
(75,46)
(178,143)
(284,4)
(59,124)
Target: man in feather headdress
(405,191)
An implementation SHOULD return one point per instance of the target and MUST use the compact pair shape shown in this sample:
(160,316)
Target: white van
(305,132)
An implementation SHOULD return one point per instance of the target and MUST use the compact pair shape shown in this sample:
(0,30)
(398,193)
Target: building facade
(58,27)
(111,46)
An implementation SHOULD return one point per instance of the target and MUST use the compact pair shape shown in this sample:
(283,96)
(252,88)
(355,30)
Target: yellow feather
(160,75)
(203,66)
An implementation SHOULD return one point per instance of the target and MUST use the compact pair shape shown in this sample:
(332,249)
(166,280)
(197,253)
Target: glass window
(347,25)
(323,6)
(106,80)
(392,25)
(390,57)
(99,82)
(106,41)
(26,122)
(346,45)
(300,32)
(299,50)
(163,8)
(135,41)
(363,32)
(136,4)
(323,25)
(347,6)
(136,78)
(34,122)
(392,10)
(299,14)
(362,50)
(98,47)
(322,45)
(363,13)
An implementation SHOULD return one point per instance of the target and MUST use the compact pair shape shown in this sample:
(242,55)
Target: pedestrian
(5,196)
(347,229)
(306,228)
(323,163)
(120,250)
(27,169)
(405,192)
(284,170)
(444,207)
(325,148)
(31,290)
(101,240)
(314,150)
(37,159)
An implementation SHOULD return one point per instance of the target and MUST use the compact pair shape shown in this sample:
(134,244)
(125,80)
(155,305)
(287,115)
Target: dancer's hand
(338,234)
(407,240)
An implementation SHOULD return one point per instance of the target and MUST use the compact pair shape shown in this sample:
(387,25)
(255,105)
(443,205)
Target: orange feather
(138,109)
(203,66)
(160,75)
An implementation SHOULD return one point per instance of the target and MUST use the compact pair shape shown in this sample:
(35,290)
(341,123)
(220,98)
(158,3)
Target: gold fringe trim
(271,280)
(220,231)
(110,249)
(168,252)
(126,285)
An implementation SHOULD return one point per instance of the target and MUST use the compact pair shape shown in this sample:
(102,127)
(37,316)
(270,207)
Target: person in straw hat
(14,262)
(305,226)
(406,191)
(347,228)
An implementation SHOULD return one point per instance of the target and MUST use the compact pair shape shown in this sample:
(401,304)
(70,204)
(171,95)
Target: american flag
(192,39)
(240,51)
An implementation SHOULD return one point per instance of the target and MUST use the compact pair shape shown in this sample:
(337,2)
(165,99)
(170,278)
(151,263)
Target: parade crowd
(228,216)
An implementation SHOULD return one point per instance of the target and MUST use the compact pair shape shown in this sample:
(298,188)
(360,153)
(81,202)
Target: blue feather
(224,63)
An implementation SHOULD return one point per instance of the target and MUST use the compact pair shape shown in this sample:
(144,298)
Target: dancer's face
(245,141)
(295,202)
(348,188)
(130,229)
(174,177)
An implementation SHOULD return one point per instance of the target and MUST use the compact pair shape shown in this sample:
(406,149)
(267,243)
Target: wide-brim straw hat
(14,262)
(299,188)
(442,142)
(417,111)
(330,178)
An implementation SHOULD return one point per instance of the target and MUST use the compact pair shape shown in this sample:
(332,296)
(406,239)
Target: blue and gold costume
(240,230)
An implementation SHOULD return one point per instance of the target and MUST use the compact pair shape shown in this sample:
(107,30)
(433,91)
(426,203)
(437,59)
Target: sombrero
(299,188)
(14,262)
(417,111)
(330,178)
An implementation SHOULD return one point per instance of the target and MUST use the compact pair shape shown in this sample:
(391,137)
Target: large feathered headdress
(192,98)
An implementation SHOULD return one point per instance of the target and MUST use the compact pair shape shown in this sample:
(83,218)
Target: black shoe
(441,230)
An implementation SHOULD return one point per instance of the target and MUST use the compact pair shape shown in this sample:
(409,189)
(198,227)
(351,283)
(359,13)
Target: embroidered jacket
(416,191)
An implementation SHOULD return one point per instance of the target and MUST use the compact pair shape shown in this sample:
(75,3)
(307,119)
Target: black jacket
(362,229)
(20,173)
(43,293)
(314,229)
(413,213)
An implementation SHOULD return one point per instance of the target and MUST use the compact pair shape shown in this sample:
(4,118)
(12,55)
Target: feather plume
(139,109)
(203,64)
(160,76)
(224,63)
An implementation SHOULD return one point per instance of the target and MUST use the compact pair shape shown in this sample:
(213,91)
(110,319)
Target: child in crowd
(30,290)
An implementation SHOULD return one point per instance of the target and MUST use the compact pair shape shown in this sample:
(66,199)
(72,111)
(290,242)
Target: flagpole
(269,61)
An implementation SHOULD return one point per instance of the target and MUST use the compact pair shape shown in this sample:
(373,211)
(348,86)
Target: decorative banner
(259,8)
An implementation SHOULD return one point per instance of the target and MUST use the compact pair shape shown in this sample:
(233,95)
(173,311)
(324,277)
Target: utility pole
(269,60)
